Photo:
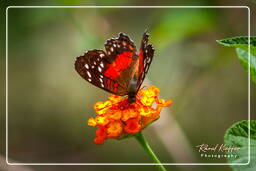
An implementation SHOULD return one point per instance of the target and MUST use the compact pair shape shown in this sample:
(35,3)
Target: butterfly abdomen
(132,89)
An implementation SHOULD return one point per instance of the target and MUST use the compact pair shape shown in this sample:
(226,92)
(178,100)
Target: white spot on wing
(94,63)
(89,74)
(101,55)
(102,85)
(145,64)
(86,66)
(90,80)
(101,64)
(111,49)
(146,69)
(99,69)
(101,80)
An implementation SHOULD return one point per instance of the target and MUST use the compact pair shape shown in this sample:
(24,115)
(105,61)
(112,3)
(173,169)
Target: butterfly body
(132,90)
(120,69)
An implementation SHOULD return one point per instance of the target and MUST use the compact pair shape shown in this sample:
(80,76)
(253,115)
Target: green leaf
(240,42)
(237,136)
(243,57)
(242,49)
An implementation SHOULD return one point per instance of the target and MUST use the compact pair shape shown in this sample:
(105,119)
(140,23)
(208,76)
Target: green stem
(149,151)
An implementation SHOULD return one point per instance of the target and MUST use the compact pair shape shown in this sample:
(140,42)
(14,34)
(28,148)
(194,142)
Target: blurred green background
(49,103)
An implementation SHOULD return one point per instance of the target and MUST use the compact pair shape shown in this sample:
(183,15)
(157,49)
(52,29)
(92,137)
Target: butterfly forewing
(121,54)
(91,67)
(119,45)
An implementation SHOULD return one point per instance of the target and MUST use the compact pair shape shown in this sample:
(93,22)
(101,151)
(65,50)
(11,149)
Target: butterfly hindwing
(91,66)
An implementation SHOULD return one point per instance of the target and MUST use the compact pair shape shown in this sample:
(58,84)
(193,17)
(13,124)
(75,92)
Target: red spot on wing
(141,61)
(120,63)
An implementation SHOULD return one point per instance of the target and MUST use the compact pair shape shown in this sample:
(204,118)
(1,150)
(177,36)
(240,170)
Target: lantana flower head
(117,119)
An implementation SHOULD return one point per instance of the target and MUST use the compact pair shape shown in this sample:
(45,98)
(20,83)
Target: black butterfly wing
(91,66)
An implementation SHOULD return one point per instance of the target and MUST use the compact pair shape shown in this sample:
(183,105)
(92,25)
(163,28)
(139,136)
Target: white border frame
(249,34)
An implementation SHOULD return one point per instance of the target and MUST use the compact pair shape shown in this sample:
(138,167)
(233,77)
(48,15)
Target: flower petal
(132,126)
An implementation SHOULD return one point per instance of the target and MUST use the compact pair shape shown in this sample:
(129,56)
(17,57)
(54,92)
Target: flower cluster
(117,118)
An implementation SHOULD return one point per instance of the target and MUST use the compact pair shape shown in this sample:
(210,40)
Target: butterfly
(120,69)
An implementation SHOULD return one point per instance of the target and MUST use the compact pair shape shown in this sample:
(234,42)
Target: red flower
(132,126)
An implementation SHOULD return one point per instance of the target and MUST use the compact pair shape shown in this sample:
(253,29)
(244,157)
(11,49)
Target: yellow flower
(128,113)
(114,129)
(117,118)
(116,115)
(92,122)
(145,111)
(101,120)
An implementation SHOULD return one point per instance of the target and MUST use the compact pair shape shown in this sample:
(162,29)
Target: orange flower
(132,126)
(100,136)
(114,129)
(128,113)
(117,118)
